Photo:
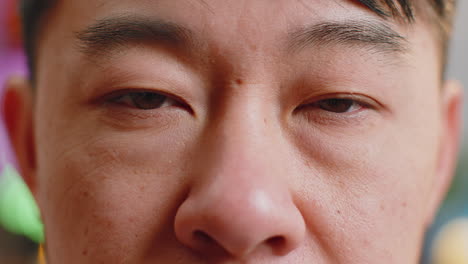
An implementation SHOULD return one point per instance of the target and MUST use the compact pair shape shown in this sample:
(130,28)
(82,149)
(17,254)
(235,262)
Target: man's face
(237,131)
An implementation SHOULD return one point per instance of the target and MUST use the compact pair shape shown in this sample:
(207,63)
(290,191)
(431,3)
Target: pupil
(336,105)
(148,100)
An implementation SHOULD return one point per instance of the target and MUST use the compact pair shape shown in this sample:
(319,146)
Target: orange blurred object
(13,23)
(41,255)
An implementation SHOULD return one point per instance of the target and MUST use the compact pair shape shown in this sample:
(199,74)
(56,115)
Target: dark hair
(439,12)
(31,12)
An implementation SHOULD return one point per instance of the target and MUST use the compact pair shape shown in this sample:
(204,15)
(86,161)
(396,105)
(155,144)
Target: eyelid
(115,95)
(129,99)
(126,91)
(363,100)
(317,116)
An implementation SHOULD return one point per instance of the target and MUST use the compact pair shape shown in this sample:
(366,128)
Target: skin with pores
(232,142)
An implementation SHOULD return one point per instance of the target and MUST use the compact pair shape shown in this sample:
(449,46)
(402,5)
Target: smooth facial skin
(268,148)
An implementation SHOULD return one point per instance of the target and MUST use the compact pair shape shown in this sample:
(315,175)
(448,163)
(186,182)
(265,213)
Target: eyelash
(329,109)
(136,100)
(341,105)
(355,101)
(315,114)
(130,99)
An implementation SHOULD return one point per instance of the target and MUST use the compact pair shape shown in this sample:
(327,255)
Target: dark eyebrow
(107,35)
(374,35)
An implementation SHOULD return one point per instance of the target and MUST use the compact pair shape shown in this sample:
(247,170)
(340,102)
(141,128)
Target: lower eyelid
(131,118)
(334,119)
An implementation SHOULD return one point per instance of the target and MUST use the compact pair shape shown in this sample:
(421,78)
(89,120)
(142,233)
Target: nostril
(277,243)
(203,237)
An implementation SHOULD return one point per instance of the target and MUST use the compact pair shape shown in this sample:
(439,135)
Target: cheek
(120,189)
(370,185)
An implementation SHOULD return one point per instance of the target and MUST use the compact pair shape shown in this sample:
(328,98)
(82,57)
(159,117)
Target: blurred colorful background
(20,228)
(18,245)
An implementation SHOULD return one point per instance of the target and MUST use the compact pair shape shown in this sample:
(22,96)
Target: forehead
(257,24)
(228,21)
(235,29)
(217,16)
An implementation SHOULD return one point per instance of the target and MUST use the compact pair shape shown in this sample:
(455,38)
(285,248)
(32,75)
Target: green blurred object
(19,213)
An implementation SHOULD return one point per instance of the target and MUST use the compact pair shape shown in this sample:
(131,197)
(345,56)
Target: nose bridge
(240,199)
(242,142)
(239,150)
(244,124)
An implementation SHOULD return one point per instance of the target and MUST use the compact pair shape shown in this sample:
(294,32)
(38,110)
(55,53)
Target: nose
(240,201)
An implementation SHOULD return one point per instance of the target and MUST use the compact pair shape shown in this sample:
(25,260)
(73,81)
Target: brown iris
(336,105)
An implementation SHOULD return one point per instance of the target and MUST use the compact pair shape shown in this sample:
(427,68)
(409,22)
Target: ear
(451,122)
(18,116)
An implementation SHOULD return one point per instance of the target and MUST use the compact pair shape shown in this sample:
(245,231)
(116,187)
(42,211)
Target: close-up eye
(338,105)
(144,100)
